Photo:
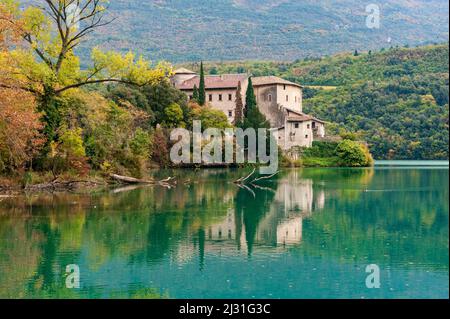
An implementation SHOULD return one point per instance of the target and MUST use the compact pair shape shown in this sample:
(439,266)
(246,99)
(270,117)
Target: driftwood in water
(168,182)
(243,180)
(263,178)
(129,180)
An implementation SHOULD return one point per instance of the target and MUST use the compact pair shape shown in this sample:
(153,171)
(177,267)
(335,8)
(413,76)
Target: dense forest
(280,30)
(396,99)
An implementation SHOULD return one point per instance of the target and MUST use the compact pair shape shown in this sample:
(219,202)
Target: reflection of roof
(269,80)
(183,71)
(226,81)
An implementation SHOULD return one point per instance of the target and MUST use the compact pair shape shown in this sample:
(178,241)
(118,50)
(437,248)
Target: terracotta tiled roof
(299,118)
(226,81)
(183,71)
(295,116)
(269,80)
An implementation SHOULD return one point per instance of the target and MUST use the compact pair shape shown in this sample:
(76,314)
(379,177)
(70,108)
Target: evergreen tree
(253,117)
(195,94)
(239,116)
(250,98)
(202,93)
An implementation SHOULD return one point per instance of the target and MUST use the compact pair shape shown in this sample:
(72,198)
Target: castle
(280,101)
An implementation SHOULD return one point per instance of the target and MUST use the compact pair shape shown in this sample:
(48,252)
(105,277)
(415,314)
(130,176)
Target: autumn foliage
(19,122)
(20,139)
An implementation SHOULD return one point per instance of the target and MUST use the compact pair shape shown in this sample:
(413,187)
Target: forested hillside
(396,99)
(281,30)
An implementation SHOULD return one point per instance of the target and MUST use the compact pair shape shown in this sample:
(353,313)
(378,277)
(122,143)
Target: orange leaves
(19,129)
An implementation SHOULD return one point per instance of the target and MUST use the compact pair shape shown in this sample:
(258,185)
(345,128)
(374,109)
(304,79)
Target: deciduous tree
(47,61)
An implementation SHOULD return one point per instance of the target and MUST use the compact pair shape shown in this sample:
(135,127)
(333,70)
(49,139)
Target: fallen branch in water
(267,189)
(168,182)
(243,179)
(243,186)
(129,180)
(263,178)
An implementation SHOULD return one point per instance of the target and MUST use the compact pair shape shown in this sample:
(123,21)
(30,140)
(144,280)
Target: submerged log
(130,180)
(167,182)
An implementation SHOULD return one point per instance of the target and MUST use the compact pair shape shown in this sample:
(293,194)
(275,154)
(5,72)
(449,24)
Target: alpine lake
(306,233)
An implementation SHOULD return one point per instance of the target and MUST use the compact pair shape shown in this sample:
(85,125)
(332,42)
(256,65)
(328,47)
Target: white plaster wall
(299,139)
(294,94)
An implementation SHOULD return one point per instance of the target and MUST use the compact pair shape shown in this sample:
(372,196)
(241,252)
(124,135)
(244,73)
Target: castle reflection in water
(278,226)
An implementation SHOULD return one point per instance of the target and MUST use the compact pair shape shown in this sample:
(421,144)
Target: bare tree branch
(80,84)
(263,178)
(24,88)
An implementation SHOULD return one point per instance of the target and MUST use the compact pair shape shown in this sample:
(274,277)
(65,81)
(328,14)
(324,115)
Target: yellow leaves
(36,23)
(70,70)
(48,61)
(28,70)
(428,99)
(125,67)
(11,7)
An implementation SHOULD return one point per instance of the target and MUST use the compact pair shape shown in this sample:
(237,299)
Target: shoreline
(14,187)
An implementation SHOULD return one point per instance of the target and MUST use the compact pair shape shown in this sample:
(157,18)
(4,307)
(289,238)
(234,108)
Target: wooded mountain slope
(396,99)
(280,30)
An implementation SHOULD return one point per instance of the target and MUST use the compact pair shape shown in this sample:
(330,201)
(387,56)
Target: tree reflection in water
(343,214)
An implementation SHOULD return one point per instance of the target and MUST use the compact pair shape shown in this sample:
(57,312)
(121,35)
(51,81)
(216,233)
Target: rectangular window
(306,136)
(230,113)
(191,97)
(210,98)
(220,97)
(287,98)
(297,125)
(308,126)
(314,125)
(270,97)
(230,97)
(284,87)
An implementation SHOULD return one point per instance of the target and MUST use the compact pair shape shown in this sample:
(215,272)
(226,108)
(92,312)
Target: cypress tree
(253,117)
(239,116)
(250,98)
(195,95)
(202,93)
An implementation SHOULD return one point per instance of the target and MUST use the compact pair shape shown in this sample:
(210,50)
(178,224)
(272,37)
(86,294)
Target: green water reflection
(308,234)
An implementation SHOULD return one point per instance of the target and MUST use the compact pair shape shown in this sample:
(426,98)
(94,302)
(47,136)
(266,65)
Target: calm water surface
(309,234)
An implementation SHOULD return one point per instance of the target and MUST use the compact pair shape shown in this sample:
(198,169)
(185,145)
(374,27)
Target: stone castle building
(281,102)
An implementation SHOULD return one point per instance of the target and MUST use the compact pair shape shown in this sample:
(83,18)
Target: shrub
(68,153)
(161,151)
(210,117)
(174,116)
(353,154)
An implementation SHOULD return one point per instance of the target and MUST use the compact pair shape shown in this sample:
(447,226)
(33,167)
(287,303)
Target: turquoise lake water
(310,233)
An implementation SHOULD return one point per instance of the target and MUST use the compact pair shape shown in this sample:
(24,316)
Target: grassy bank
(333,154)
